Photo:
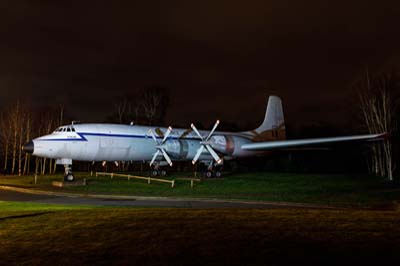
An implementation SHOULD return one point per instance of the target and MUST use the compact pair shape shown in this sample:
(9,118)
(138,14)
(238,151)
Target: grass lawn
(9,206)
(39,234)
(338,190)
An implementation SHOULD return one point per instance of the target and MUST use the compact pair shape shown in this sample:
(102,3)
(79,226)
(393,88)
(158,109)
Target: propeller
(159,147)
(206,144)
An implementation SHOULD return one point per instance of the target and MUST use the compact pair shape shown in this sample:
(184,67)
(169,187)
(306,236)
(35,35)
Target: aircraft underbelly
(123,149)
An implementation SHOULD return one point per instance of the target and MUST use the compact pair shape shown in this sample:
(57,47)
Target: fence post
(173,184)
(148,180)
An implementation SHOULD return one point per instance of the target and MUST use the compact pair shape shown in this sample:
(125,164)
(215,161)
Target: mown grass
(10,206)
(339,190)
(107,236)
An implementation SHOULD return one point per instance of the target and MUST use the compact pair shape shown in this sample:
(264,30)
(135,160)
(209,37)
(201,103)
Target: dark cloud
(220,59)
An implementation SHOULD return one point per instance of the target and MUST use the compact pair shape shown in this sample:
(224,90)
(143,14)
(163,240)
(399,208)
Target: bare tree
(5,136)
(20,139)
(377,102)
(122,108)
(27,138)
(15,120)
(49,126)
(60,123)
(146,106)
(154,101)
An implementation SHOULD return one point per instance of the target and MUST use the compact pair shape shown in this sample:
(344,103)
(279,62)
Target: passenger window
(68,129)
(73,129)
(64,129)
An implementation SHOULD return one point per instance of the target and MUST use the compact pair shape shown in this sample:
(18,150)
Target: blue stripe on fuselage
(83,134)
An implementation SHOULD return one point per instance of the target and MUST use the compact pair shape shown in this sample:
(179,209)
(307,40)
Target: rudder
(273,126)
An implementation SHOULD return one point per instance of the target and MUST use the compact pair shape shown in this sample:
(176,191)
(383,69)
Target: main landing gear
(68,176)
(158,170)
(212,171)
(211,174)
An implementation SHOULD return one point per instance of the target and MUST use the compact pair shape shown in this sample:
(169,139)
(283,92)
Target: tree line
(20,123)
(379,105)
(147,106)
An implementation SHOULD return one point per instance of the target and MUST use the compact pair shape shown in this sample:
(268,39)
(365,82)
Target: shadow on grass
(24,215)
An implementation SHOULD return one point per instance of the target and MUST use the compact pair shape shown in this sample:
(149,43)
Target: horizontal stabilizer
(282,144)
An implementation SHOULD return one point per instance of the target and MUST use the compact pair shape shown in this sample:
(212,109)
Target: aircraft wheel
(69,177)
(217,174)
(154,173)
(209,174)
(163,173)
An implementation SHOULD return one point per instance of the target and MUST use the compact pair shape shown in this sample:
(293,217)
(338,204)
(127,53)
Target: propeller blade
(154,157)
(212,130)
(195,130)
(152,135)
(166,157)
(196,157)
(166,134)
(213,154)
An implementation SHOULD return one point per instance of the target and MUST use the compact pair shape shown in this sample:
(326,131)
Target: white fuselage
(115,142)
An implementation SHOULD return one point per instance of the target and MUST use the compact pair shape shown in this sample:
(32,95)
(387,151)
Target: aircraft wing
(283,144)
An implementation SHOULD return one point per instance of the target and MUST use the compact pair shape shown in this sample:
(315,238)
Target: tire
(218,174)
(209,174)
(154,173)
(163,173)
(69,178)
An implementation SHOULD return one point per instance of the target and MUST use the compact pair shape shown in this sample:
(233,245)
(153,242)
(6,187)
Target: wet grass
(338,190)
(123,236)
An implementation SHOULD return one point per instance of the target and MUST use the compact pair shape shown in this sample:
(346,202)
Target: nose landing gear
(68,176)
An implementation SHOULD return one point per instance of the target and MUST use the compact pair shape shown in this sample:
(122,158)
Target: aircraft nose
(28,147)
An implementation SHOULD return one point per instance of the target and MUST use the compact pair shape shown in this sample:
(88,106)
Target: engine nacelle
(177,148)
(229,145)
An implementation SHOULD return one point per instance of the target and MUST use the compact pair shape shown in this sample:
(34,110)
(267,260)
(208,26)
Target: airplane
(161,146)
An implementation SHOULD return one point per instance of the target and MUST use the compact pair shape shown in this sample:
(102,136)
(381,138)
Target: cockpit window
(65,129)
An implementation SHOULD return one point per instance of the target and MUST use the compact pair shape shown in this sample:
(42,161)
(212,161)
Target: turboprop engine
(227,145)
(177,148)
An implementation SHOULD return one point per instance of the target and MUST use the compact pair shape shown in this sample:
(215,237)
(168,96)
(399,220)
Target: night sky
(219,59)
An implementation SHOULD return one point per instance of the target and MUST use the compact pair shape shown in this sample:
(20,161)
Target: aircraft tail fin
(273,126)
